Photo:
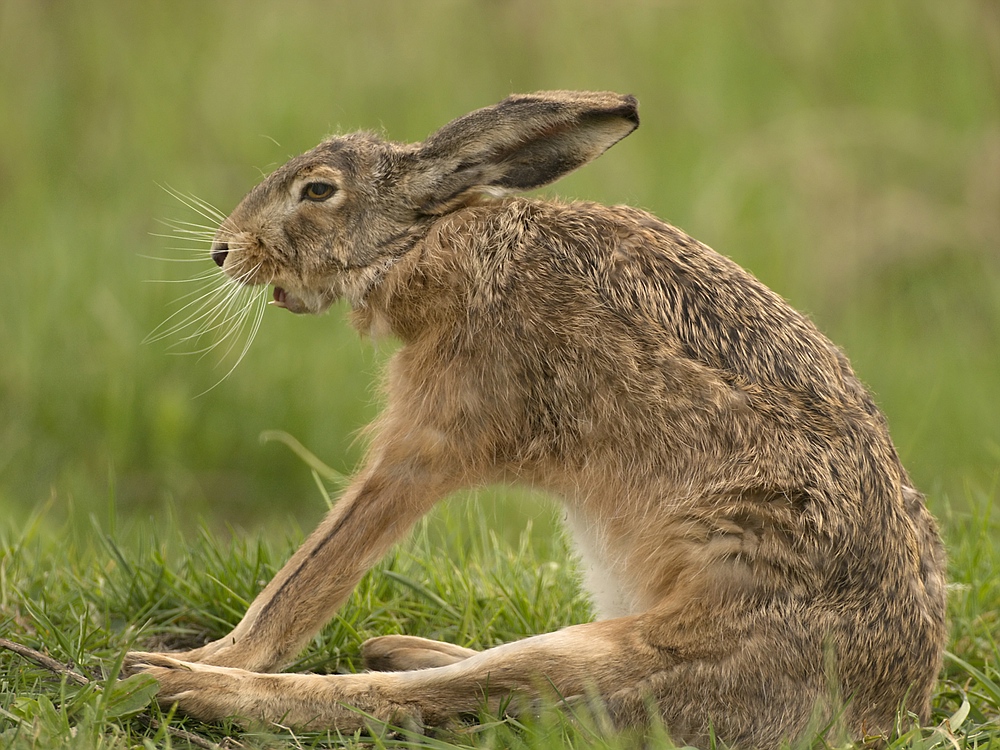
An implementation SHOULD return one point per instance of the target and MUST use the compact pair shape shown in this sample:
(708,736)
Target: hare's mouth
(301,301)
(287,301)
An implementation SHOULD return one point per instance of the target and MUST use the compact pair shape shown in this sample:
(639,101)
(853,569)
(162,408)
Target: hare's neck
(416,294)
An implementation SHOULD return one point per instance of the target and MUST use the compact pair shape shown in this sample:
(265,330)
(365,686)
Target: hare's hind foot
(402,653)
(571,662)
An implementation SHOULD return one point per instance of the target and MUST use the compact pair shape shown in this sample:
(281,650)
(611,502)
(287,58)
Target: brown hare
(758,557)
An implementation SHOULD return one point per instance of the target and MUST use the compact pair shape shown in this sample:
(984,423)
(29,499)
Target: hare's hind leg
(401,653)
(591,659)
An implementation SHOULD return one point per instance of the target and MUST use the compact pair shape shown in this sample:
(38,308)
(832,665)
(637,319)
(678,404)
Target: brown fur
(746,526)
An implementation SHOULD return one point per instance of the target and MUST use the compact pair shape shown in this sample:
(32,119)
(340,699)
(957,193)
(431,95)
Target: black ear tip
(630,108)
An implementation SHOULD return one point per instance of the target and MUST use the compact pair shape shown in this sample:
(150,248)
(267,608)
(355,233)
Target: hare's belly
(603,569)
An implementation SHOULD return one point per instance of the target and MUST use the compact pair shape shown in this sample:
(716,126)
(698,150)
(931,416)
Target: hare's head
(330,222)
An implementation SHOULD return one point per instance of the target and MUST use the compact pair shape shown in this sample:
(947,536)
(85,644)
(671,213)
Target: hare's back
(586,275)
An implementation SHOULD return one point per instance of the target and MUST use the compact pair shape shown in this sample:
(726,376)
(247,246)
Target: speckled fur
(762,555)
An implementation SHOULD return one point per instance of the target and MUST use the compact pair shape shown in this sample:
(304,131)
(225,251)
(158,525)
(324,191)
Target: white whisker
(203,276)
(260,301)
(204,293)
(200,207)
(180,223)
(222,313)
(195,230)
(187,236)
(214,316)
(237,316)
(208,207)
(198,256)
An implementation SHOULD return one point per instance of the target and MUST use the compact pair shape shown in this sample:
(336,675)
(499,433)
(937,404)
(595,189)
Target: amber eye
(318,191)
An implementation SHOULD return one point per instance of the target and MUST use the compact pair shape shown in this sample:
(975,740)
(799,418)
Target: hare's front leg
(400,484)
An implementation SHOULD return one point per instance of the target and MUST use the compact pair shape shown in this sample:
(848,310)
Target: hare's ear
(523,142)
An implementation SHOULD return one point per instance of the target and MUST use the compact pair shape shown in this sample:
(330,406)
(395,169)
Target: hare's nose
(219,252)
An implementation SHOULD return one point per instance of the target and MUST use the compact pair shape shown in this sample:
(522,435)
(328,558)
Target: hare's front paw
(135,661)
(202,691)
(304,701)
(249,654)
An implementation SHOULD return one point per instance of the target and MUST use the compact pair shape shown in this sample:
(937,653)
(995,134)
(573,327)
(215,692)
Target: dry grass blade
(46,662)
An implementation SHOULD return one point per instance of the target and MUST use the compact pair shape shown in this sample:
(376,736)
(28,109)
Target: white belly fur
(611,597)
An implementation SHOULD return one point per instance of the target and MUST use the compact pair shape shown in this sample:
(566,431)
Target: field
(847,153)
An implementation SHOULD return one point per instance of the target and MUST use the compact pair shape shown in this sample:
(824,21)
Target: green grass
(846,153)
(84,595)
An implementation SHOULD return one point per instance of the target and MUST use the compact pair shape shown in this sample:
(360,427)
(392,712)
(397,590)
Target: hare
(758,557)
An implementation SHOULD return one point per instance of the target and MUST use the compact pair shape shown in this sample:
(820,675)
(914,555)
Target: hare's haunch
(759,558)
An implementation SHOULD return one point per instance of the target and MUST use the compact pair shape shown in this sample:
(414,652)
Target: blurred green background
(848,153)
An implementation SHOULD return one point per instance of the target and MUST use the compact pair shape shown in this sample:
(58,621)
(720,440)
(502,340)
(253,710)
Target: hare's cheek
(305,234)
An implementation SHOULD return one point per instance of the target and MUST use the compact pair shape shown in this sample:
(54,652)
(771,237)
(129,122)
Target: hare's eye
(318,191)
